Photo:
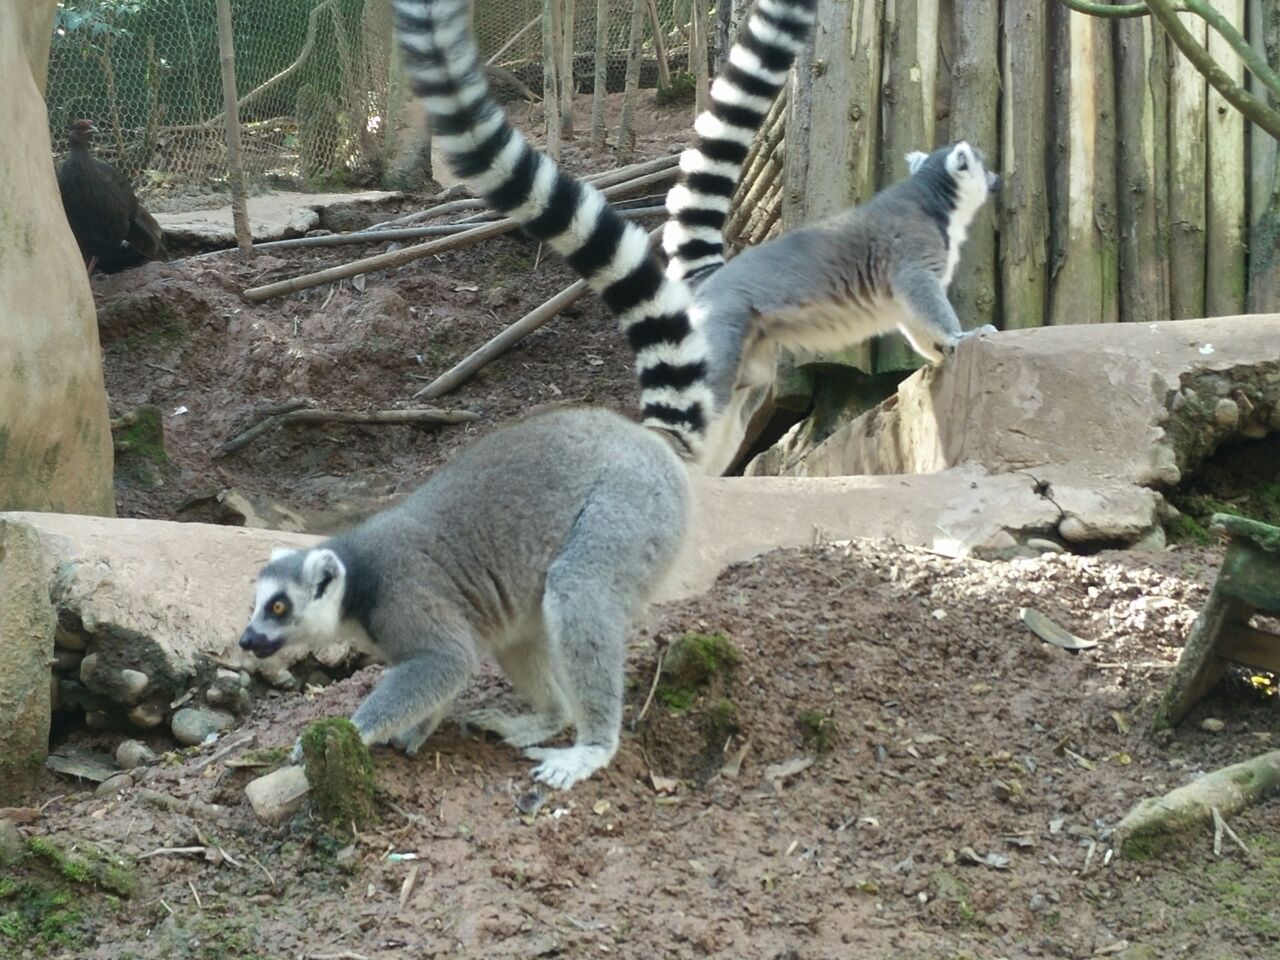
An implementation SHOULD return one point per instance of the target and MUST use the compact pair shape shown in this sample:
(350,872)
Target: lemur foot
(520,731)
(562,767)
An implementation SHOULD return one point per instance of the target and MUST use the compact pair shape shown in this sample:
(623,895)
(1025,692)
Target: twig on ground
(653,688)
(1220,826)
(172,851)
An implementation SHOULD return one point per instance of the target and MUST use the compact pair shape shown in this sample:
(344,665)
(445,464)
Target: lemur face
(968,167)
(298,601)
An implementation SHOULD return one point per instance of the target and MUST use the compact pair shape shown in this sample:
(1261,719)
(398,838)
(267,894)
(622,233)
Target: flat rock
(192,725)
(131,754)
(277,796)
(273,216)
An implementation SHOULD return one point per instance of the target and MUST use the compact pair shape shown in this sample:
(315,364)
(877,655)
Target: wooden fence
(1130,186)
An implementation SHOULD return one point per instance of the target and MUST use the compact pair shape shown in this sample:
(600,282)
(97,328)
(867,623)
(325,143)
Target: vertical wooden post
(601,83)
(1142,116)
(1025,224)
(1085,255)
(1225,220)
(1188,100)
(627,128)
(911,73)
(568,13)
(230,99)
(1264,233)
(551,74)
(975,103)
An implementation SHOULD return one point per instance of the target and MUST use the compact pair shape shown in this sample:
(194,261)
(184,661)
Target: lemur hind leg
(528,665)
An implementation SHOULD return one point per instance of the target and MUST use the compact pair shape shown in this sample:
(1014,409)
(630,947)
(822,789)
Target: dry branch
(428,415)
(399,258)
(1190,807)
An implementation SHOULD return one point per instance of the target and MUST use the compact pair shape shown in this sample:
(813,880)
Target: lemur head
(965,168)
(299,600)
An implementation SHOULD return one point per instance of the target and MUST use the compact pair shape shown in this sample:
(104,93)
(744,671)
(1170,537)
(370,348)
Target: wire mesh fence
(314,80)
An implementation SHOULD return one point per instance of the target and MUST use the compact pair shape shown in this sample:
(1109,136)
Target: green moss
(692,663)
(86,864)
(1186,529)
(818,730)
(340,771)
(683,89)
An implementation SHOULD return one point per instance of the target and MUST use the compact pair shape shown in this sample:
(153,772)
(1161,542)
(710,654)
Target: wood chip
(1050,632)
(733,766)
(406,888)
(778,773)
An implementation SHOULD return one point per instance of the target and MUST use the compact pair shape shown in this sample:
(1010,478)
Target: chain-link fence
(314,78)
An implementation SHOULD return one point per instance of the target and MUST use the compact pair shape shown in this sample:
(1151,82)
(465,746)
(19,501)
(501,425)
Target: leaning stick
(465,369)
(380,417)
(398,258)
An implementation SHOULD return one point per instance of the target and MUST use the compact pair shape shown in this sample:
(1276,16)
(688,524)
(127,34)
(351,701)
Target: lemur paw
(562,767)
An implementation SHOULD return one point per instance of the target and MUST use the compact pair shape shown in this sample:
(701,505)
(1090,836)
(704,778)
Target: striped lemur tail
(572,217)
(698,204)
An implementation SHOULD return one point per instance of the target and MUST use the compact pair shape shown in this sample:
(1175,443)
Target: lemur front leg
(928,320)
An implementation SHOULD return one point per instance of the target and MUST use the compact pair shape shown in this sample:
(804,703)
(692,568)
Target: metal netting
(313,80)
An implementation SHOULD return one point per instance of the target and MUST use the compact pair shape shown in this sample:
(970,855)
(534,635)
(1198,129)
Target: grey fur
(869,270)
(539,545)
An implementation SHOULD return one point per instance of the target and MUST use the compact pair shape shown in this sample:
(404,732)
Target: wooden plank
(1226,216)
(1188,100)
(1251,647)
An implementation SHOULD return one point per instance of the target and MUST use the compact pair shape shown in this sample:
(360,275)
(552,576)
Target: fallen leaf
(466,288)
(358,282)
(663,786)
(733,766)
(601,807)
(776,773)
(1050,632)
(1080,761)
(997,861)
(1122,722)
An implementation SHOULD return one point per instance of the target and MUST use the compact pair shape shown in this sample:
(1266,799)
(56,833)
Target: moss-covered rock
(340,772)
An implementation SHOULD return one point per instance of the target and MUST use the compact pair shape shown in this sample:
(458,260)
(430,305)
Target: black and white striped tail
(741,95)
(573,218)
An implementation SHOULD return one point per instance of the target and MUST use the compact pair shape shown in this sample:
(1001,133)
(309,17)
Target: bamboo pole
(1025,223)
(1225,215)
(599,124)
(235,160)
(1188,101)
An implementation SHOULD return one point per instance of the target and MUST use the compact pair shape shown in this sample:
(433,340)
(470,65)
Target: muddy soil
(908,772)
(894,768)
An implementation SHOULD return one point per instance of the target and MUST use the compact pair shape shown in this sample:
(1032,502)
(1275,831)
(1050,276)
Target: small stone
(97,719)
(133,683)
(1073,530)
(147,715)
(134,753)
(1038,903)
(91,670)
(1153,541)
(1226,413)
(227,676)
(1212,724)
(1045,546)
(278,796)
(12,849)
(191,725)
(113,785)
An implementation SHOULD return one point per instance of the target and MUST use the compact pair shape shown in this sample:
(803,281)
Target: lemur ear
(279,553)
(320,569)
(915,160)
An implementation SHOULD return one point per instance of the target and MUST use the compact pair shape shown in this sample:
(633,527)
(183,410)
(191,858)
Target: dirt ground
(894,768)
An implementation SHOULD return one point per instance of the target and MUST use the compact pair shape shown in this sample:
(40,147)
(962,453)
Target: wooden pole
(1188,100)
(1225,220)
(551,74)
(698,64)
(235,160)
(660,46)
(568,14)
(627,128)
(599,125)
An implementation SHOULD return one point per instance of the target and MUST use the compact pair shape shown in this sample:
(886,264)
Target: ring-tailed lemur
(869,270)
(541,542)
(757,67)
(872,269)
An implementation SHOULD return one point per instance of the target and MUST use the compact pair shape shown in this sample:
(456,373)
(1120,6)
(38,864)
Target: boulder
(26,629)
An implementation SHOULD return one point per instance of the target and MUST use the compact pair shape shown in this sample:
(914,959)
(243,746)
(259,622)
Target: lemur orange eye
(278,608)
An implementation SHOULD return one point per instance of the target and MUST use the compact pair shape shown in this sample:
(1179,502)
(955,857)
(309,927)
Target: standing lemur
(541,542)
(869,270)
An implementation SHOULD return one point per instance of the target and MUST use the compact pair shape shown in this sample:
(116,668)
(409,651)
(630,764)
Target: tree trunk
(1225,219)
(659,47)
(1142,109)
(910,77)
(551,73)
(1025,223)
(627,129)
(599,124)
(975,102)
(1188,93)
(1084,279)
(568,14)
(1264,236)
(724,35)
(55,441)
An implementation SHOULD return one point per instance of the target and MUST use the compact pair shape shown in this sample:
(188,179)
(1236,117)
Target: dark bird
(111,227)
